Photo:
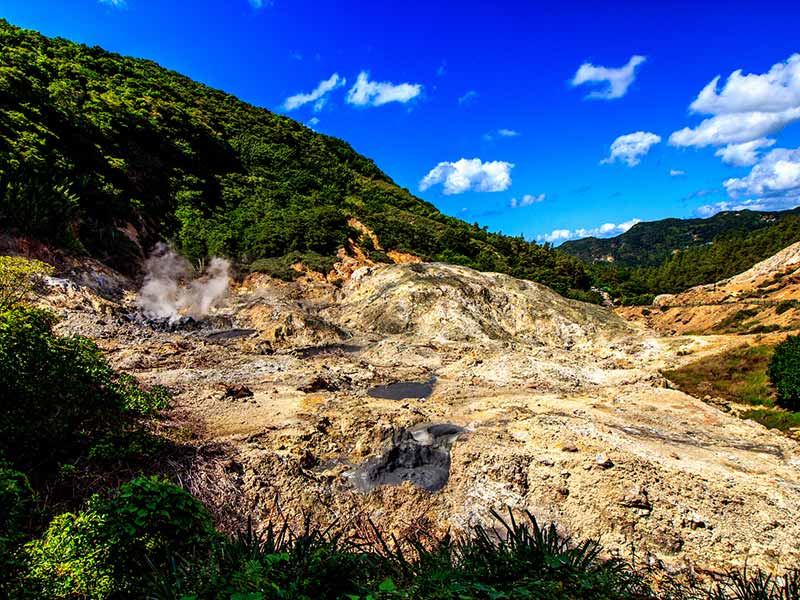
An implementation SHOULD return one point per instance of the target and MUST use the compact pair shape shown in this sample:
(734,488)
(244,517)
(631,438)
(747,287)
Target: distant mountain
(107,154)
(650,244)
(720,247)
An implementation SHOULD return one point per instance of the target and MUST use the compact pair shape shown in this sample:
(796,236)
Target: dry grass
(738,376)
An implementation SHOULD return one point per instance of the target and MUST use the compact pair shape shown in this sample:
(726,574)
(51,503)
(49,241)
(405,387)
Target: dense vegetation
(784,372)
(95,146)
(650,244)
(730,252)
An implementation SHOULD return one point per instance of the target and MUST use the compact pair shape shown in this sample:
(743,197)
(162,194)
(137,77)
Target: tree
(784,372)
(21,279)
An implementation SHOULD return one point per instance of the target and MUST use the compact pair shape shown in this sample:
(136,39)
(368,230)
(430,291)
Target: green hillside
(106,154)
(652,243)
(728,253)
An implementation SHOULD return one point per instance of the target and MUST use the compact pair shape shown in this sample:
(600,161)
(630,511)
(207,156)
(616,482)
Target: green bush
(784,372)
(113,545)
(60,396)
(71,560)
(20,279)
(16,504)
(281,267)
(785,305)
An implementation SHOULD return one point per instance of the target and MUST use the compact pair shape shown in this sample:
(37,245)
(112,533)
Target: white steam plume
(168,292)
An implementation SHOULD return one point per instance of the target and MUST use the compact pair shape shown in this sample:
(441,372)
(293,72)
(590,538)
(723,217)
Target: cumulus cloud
(615,82)
(500,134)
(313,122)
(743,155)
(734,128)
(747,108)
(631,148)
(468,98)
(469,175)
(319,96)
(676,173)
(114,3)
(772,184)
(373,93)
(526,200)
(604,230)
(776,90)
(776,174)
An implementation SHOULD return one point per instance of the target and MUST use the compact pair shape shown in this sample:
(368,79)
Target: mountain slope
(761,299)
(651,243)
(729,252)
(108,154)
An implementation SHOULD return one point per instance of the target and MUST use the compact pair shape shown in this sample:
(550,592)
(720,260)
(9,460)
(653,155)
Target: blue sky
(589,101)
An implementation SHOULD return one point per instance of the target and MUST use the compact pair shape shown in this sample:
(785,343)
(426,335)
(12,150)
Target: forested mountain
(728,253)
(652,243)
(106,154)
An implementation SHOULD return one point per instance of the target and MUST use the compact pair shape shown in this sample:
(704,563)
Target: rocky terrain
(421,396)
(760,300)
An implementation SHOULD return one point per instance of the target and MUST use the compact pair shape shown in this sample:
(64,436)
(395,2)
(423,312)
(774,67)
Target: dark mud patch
(230,334)
(420,455)
(326,350)
(402,390)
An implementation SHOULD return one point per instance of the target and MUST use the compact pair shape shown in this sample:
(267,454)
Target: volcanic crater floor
(559,410)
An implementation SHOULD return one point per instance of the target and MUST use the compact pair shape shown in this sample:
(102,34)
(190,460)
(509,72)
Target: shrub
(16,501)
(784,372)
(785,305)
(71,560)
(20,279)
(60,394)
(112,545)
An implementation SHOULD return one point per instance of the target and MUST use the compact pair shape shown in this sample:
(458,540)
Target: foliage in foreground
(784,372)
(152,540)
(61,400)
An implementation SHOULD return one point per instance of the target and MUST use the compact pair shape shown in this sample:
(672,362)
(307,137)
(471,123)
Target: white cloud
(782,203)
(772,184)
(746,109)
(372,93)
(499,134)
(313,122)
(526,200)
(469,174)
(734,128)
(618,80)
(468,98)
(318,96)
(676,173)
(776,90)
(631,148)
(442,69)
(260,3)
(604,230)
(776,174)
(114,3)
(743,155)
